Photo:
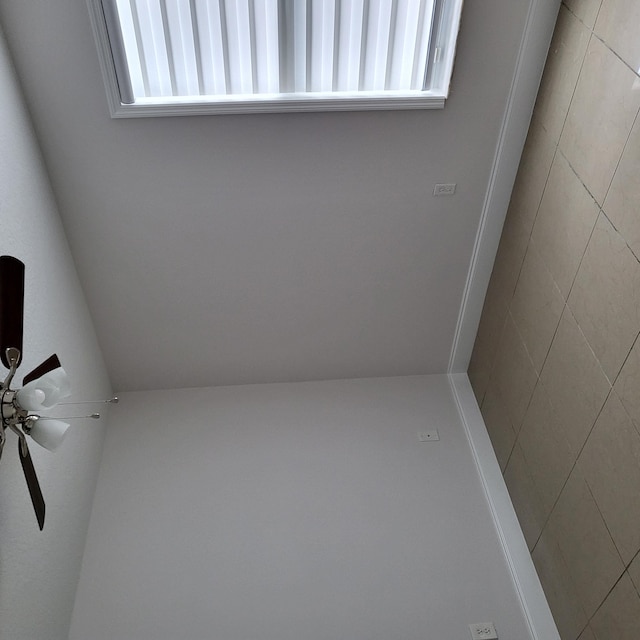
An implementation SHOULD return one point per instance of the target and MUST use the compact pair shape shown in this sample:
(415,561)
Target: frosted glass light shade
(49,433)
(46,391)
(31,399)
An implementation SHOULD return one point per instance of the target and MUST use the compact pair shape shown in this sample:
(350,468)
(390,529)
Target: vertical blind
(191,48)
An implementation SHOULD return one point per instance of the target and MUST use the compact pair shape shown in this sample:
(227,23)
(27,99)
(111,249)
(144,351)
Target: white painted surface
(528,587)
(269,247)
(261,248)
(39,570)
(292,511)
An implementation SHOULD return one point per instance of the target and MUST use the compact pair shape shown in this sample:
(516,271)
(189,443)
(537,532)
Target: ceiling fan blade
(49,364)
(32,481)
(11,306)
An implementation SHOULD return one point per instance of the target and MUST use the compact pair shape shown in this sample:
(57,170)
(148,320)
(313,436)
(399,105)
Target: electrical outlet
(483,631)
(444,189)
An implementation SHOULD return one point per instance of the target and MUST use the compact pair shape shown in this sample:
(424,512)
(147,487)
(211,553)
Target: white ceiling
(262,248)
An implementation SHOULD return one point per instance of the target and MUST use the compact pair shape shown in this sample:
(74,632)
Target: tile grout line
(573,466)
(636,121)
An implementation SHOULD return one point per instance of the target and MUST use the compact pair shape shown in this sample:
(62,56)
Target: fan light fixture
(46,391)
(47,432)
(42,388)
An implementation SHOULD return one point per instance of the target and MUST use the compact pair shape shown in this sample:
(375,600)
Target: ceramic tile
(559,587)
(610,462)
(533,171)
(602,112)
(566,52)
(494,314)
(545,449)
(590,555)
(564,224)
(617,25)
(576,385)
(507,263)
(585,10)
(628,383)
(605,298)
(619,616)
(514,373)
(478,372)
(587,634)
(623,199)
(509,257)
(498,423)
(634,572)
(536,306)
(517,477)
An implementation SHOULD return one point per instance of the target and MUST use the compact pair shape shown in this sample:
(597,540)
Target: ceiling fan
(41,389)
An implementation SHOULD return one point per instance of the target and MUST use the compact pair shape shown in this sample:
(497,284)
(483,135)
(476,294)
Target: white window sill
(145,108)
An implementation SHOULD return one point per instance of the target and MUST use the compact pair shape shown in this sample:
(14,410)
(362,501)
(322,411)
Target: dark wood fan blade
(32,483)
(49,364)
(11,305)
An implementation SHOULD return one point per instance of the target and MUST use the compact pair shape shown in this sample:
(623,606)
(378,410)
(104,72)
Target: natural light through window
(179,57)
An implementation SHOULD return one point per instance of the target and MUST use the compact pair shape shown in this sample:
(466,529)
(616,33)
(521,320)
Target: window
(187,57)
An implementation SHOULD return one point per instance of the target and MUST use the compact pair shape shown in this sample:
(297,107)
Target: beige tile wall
(556,363)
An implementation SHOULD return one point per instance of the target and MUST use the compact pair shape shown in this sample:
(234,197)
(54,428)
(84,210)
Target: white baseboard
(535,43)
(527,584)
(532,55)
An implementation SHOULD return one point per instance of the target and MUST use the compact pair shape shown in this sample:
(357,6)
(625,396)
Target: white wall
(39,570)
(318,219)
(290,511)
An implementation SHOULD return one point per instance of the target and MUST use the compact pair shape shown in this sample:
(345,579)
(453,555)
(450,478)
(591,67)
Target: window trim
(280,103)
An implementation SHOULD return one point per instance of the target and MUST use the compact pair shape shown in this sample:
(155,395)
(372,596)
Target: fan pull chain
(113,400)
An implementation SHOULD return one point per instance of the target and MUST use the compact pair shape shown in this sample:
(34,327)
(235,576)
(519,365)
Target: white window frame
(443,44)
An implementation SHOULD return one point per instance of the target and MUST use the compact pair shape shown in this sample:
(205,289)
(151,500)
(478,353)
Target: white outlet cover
(428,436)
(483,631)
(444,189)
